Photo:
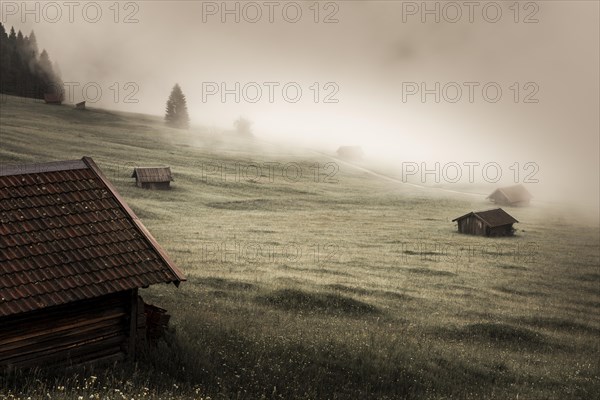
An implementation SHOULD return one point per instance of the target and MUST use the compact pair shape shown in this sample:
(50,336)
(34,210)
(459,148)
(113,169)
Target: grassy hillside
(333,284)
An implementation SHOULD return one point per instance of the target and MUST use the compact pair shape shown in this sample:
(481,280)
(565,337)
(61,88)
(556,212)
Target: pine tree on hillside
(15,74)
(48,82)
(33,47)
(19,40)
(23,71)
(59,85)
(4,59)
(176,113)
(28,53)
(12,37)
(32,51)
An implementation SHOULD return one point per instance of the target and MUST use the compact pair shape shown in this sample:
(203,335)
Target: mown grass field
(333,284)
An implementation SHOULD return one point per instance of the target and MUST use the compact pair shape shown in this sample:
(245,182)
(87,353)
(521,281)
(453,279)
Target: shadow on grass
(244,205)
(499,333)
(519,292)
(298,300)
(429,272)
(559,324)
(590,277)
(510,267)
(365,292)
(223,284)
(228,364)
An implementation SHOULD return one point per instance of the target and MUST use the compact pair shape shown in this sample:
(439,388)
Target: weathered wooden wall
(82,331)
(504,230)
(471,225)
(155,185)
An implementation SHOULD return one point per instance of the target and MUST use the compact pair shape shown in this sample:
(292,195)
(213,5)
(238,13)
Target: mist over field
(370,54)
(300,200)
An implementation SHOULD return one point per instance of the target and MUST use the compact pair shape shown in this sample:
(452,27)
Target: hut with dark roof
(350,153)
(72,258)
(153,177)
(53,98)
(515,195)
(486,223)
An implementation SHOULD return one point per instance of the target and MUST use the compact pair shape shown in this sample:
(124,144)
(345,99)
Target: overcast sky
(370,57)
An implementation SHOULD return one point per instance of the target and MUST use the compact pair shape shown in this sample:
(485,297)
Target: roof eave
(463,216)
(145,232)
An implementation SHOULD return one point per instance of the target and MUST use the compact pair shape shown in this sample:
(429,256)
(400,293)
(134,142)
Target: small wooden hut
(53,98)
(153,177)
(515,195)
(350,153)
(73,256)
(495,222)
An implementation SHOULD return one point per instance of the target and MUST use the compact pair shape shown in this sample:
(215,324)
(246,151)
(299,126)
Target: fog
(371,59)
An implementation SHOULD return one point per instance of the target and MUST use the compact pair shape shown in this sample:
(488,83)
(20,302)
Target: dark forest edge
(24,71)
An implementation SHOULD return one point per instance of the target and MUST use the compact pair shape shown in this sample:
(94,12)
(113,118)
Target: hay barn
(53,98)
(351,153)
(486,223)
(515,195)
(153,177)
(72,258)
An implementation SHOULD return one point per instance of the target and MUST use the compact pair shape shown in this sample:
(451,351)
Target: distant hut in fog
(80,105)
(486,223)
(515,195)
(53,98)
(153,177)
(350,153)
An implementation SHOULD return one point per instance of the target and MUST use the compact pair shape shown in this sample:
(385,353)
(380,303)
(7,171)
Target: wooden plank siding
(471,225)
(495,222)
(504,230)
(72,257)
(154,185)
(99,328)
(474,226)
(157,178)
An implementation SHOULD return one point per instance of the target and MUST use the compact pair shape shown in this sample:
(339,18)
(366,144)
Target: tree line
(24,71)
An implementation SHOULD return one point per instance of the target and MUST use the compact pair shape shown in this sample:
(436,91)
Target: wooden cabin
(350,153)
(80,105)
(515,195)
(153,177)
(486,223)
(73,257)
(53,98)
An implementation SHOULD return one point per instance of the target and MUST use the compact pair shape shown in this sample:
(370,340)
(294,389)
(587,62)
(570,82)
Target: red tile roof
(67,235)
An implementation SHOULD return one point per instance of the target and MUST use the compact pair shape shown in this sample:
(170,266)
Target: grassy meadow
(314,279)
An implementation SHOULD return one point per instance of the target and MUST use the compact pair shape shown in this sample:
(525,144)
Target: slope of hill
(312,279)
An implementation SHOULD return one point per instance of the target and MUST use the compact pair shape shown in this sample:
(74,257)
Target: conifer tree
(176,113)
(23,71)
